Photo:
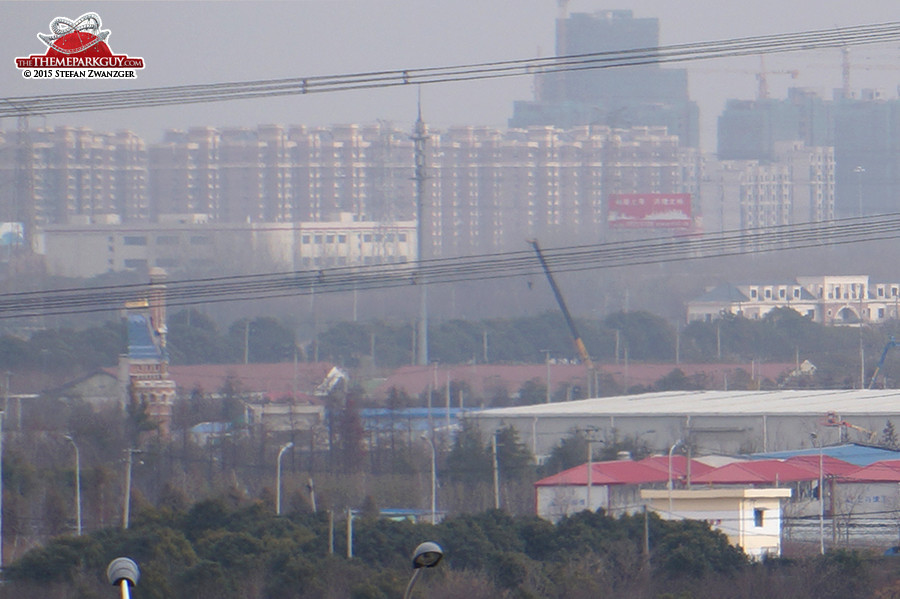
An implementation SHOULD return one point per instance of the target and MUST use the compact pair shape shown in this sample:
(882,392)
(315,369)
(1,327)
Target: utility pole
(547,360)
(126,504)
(419,138)
(495,470)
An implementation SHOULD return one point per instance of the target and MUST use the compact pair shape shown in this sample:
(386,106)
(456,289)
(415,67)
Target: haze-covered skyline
(203,42)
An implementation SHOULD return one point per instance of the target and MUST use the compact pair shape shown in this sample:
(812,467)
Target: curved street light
(123,573)
(77,485)
(284,448)
(426,555)
(669,483)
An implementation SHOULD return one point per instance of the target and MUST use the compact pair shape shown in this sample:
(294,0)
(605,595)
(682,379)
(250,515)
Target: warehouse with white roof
(721,422)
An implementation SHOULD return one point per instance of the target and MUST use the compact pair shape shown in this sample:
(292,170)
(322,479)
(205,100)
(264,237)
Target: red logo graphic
(78,48)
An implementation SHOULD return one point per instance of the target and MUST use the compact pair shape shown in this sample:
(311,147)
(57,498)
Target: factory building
(710,422)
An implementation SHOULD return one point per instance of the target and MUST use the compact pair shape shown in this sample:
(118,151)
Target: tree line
(223,549)
(783,335)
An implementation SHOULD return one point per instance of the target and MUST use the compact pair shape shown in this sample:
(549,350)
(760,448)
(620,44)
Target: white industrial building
(184,242)
(711,422)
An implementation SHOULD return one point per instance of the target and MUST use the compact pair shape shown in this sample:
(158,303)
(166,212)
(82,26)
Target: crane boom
(884,354)
(579,344)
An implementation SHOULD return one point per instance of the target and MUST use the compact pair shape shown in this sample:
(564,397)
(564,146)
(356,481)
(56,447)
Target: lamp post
(126,507)
(433,479)
(77,485)
(546,353)
(669,481)
(815,437)
(426,555)
(123,573)
(281,451)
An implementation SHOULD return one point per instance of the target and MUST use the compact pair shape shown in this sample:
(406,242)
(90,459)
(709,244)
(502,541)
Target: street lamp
(123,573)
(426,555)
(284,448)
(126,508)
(433,479)
(77,485)
(815,437)
(669,483)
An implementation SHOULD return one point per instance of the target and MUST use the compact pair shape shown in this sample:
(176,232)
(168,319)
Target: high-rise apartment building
(864,131)
(619,97)
(55,176)
(795,186)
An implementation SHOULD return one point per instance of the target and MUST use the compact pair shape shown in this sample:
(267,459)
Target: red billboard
(649,211)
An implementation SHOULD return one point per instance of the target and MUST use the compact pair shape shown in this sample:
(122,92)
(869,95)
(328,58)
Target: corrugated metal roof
(625,472)
(860,455)
(785,402)
(679,465)
(831,466)
(768,472)
(887,471)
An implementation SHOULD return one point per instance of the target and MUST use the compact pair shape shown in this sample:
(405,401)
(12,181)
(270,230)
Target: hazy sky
(204,42)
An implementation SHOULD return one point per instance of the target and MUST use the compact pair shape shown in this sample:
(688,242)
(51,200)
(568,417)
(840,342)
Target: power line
(218,92)
(456,270)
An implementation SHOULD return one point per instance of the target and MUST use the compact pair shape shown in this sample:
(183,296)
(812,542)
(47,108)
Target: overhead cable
(457,270)
(218,92)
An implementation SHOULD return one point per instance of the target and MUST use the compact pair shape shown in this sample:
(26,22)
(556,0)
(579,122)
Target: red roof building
(758,472)
(614,485)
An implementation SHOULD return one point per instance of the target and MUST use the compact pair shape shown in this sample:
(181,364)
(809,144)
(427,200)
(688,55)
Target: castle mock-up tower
(149,385)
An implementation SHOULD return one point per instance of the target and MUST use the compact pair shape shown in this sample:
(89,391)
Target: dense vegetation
(221,550)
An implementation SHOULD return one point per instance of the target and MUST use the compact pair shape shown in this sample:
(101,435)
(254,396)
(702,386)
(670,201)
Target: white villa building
(826,299)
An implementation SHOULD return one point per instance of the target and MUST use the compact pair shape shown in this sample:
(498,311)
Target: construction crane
(833,419)
(762,76)
(579,344)
(887,348)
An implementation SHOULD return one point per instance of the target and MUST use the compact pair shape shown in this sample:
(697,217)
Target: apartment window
(342,238)
(134,240)
(768,294)
(367,237)
(401,237)
(759,517)
(135,263)
(167,240)
(880,313)
(199,240)
(166,262)
(317,239)
(796,293)
(304,239)
(753,293)
(782,293)
(329,239)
